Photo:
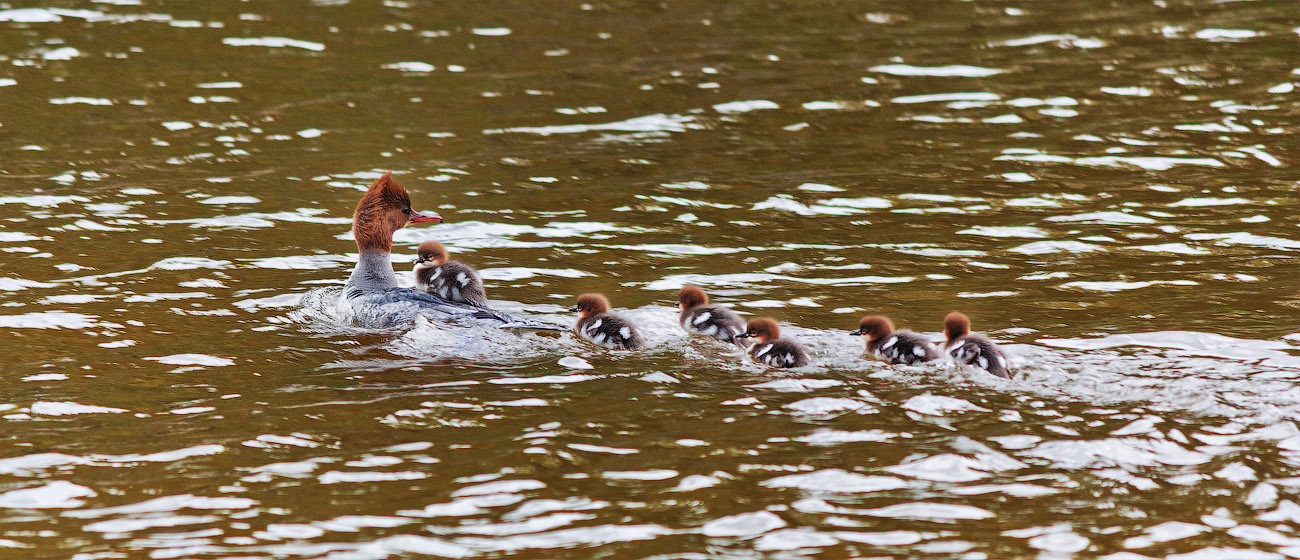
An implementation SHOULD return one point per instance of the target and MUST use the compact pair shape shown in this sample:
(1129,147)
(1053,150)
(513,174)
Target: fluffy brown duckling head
(874,327)
(955,325)
(590,304)
(431,252)
(761,329)
(691,296)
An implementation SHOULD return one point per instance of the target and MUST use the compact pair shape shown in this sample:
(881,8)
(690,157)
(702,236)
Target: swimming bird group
(448,289)
(597,324)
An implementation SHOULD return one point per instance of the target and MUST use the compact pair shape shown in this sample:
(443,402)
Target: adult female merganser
(771,348)
(710,320)
(597,324)
(972,349)
(895,347)
(371,297)
(450,280)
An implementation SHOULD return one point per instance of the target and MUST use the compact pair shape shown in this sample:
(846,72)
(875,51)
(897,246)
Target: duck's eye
(407,210)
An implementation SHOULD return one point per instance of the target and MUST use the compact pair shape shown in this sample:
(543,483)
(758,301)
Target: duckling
(770,348)
(895,347)
(698,317)
(450,280)
(597,324)
(972,349)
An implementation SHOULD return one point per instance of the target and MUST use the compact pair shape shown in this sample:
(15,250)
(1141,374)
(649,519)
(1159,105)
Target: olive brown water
(1108,189)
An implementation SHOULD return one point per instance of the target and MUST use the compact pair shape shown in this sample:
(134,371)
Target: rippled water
(1104,188)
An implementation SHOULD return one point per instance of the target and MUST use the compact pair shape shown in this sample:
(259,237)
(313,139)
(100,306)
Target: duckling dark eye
(407,211)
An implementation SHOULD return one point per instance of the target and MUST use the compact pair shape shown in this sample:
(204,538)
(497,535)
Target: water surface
(1107,190)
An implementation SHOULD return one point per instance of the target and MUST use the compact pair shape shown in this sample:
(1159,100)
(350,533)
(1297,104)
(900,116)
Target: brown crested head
(384,209)
(763,329)
(691,296)
(874,327)
(955,325)
(591,304)
(431,251)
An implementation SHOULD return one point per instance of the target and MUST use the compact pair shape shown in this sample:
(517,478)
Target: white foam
(786,202)
(836,481)
(167,504)
(499,487)
(649,475)
(542,379)
(162,456)
(827,436)
(931,511)
(192,360)
(602,449)
(798,385)
(507,274)
(938,405)
(336,477)
(1176,248)
(274,42)
(1215,34)
(81,100)
(945,467)
(1210,201)
(744,525)
(1060,39)
(1118,286)
(1134,91)
(945,97)
(1116,452)
(31,465)
(62,53)
(231,200)
(745,106)
(42,200)
(1005,231)
(863,202)
(58,494)
(47,15)
(1152,163)
(1108,218)
(68,408)
(417,67)
(1048,247)
(955,70)
(19,284)
(650,123)
(819,187)
(818,406)
(574,362)
(1243,238)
